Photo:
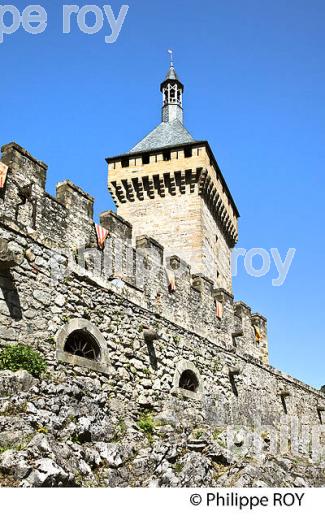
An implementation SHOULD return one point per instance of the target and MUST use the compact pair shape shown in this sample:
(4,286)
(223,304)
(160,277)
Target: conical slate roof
(166,134)
(171,74)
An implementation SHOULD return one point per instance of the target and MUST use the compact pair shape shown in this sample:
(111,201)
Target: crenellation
(176,263)
(24,186)
(142,304)
(16,156)
(202,283)
(150,247)
(259,324)
(143,267)
(70,196)
(116,225)
(62,221)
(79,294)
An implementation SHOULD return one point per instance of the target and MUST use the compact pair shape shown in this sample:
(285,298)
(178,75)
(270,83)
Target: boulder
(12,383)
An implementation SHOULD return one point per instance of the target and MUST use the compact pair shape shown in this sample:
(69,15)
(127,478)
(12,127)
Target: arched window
(189,381)
(81,343)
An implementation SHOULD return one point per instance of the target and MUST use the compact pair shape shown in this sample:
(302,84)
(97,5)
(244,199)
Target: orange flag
(171,281)
(219,310)
(102,234)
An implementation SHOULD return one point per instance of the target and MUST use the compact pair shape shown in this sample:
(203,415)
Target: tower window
(188,151)
(146,158)
(166,156)
(125,162)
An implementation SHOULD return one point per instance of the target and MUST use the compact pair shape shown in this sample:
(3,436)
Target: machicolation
(137,321)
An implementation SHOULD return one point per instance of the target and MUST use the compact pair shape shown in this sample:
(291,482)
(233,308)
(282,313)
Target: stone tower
(170,187)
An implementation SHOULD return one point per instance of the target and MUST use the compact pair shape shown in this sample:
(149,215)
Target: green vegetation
(14,409)
(16,357)
(75,438)
(216,436)
(42,429)
(178,467)
(17,446)
(147,425)
(120,430)
(217,432)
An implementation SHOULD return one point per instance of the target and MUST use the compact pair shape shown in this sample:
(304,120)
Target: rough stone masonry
(156,376)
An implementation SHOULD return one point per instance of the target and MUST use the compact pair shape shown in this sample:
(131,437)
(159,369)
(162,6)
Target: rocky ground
(54,432)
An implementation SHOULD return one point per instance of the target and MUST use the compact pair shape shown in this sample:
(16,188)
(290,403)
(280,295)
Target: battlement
(138,265)
(145,317)
(64,221)
(14,153)
(69,194)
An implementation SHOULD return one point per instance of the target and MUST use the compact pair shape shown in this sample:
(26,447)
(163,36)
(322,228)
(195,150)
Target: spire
(171,74)
(172,90)
(171,57)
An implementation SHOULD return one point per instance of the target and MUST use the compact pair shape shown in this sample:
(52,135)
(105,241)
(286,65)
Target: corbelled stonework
(121,345)
(152,365)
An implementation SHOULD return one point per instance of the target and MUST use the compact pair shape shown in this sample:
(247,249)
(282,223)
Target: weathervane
(171,57)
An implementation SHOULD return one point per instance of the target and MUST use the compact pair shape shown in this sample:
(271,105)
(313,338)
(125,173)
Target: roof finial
(171,57)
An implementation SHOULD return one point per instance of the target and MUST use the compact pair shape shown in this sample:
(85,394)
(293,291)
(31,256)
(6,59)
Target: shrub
(16,357)
(146,424)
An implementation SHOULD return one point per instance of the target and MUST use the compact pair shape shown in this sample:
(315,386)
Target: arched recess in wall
(83,344)
(187,380)
(80,342)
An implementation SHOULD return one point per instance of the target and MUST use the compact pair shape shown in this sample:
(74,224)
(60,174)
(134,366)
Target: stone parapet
(138,265)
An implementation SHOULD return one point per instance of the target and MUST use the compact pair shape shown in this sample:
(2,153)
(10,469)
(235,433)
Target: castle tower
(170,187)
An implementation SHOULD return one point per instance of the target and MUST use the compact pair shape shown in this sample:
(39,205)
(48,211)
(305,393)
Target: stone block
(117,226)
(151,247)
(74,198)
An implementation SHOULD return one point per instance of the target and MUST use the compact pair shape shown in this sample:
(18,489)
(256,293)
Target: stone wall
(64,221)
(216,254)
(147,336)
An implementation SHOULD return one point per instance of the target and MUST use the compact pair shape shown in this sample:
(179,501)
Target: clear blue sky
(255,88)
